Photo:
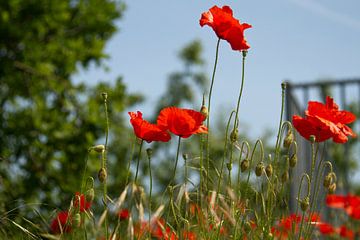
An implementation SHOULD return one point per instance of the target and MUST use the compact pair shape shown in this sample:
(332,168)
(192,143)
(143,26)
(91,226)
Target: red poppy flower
(336,201)
(61,223)
(353,206)
(325,228)
(226,27)
(346,233)
(84,205)
(124,214)
(147,131)
(325,121)
(181,122)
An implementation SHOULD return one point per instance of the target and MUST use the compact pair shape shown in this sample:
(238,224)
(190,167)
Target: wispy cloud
(328,13)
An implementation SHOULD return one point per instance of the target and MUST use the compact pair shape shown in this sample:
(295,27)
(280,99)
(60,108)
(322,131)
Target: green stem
(176,160)
(224,155)
(236,123)
(138,161)
(150,193)
(104,162)
(209,107)
(277,146)
(129,161)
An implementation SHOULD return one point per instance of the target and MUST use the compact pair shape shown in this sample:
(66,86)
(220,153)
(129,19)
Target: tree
(47,122)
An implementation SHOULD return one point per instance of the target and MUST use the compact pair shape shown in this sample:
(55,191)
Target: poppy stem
(277,146)
(138,161)
(150,192)
(236,123)
(208,118)
(104,162)
(176,160)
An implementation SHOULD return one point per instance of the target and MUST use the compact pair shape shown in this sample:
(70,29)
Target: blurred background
(57,58)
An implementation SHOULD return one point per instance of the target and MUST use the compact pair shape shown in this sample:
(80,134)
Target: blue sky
(296,40)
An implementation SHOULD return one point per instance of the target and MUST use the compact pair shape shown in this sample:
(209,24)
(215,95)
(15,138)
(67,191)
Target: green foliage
(47,122)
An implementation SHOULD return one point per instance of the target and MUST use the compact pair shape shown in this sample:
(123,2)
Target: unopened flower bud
(244,165)
(77,220)
(229,166)
(312,138)
(234,135)
(102,175)
(185,156)
(90,195)
(327,181)
(149,153)
(98,148)
(259,169)
(269,170)
(332,188)
(285,177)
(304,204)
(104,95)
(204,111)
(293,160)
(289,139)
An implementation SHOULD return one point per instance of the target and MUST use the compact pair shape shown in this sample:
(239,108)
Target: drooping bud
(244,165)
(77,220)
(304,204)
(289,139)
(98,148)
(285,176)
(269,170)
(90,195)
(102,175)
(185,156)
(259,169)
(332,188)
(312,138)
(293,160)
(234,135)
(327,180)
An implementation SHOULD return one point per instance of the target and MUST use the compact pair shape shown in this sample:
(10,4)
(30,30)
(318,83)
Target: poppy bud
(285,177)
(259,169)
(269,170)
(229,166)
(204,111)
(104,95)
(98,148)
(304,204)
(244,165)
(289,139)
(185,156)
(312,138)
(327,180)
(77,220)
(102,175)
(90,195)
(234,135)
(149,152)
(293,160)
(332,188)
